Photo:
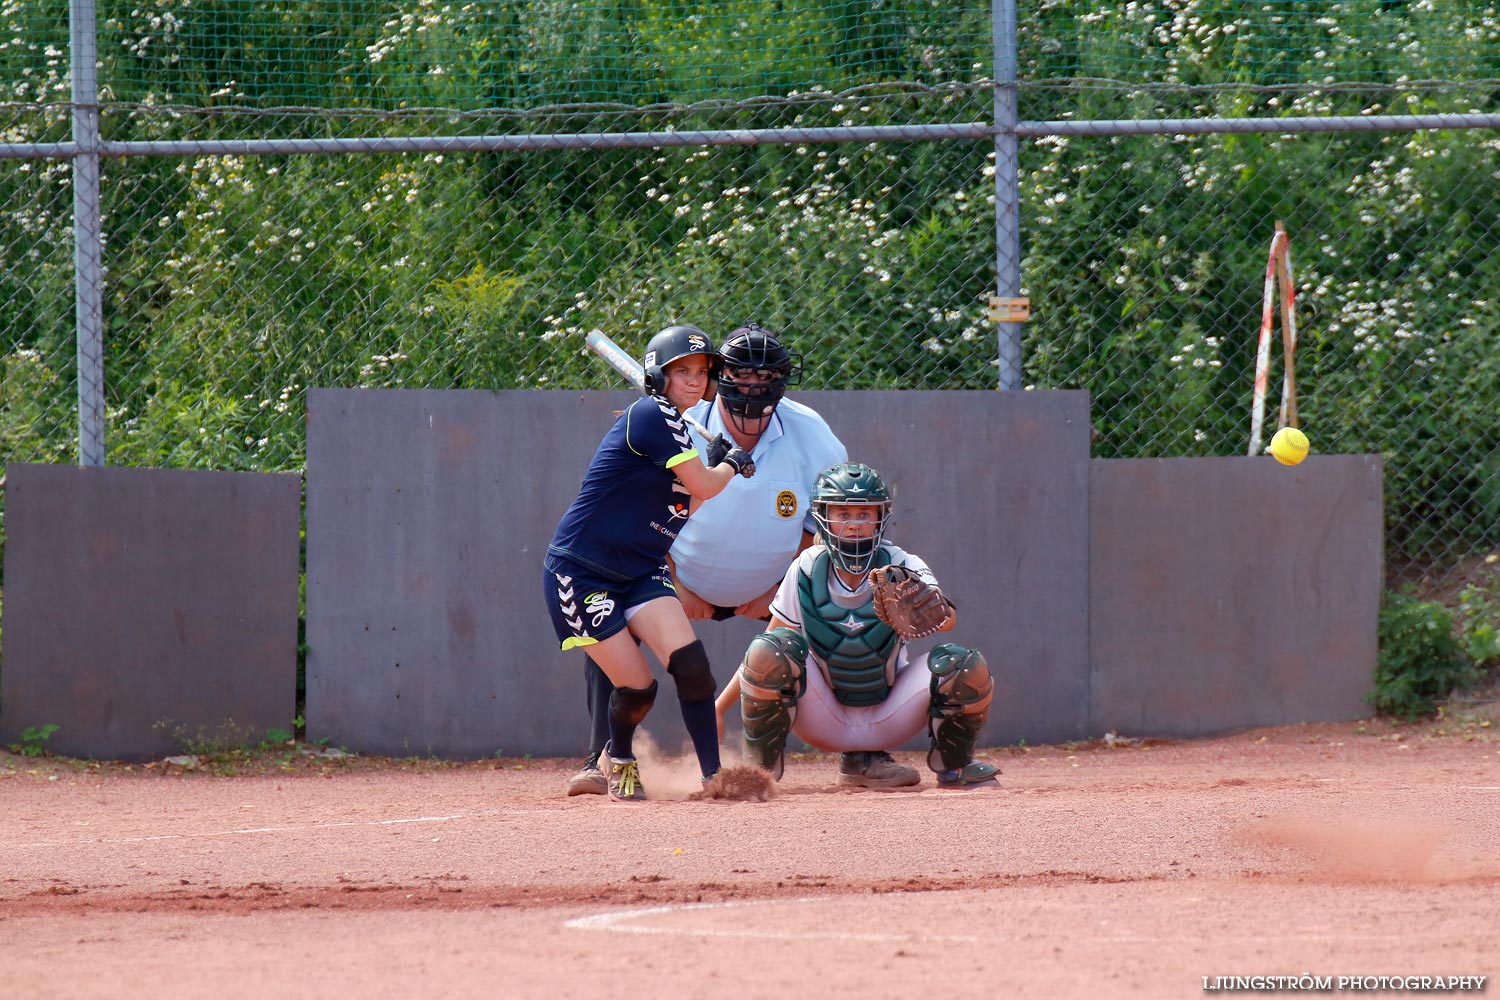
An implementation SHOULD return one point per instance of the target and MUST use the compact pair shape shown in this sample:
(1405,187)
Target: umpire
(730,556)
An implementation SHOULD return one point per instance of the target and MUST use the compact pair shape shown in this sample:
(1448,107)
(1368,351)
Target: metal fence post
(1007,190)
(87,253)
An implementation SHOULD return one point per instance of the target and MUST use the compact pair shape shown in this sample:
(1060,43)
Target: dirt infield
(1137,870)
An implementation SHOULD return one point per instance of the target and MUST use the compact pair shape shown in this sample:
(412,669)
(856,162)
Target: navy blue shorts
(587,607)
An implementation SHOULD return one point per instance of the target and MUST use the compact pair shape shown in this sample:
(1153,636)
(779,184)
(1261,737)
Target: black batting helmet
(671,344)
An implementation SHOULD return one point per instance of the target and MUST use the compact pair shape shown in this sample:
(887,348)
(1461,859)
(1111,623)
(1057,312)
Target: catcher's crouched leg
(962,690)
(771,680)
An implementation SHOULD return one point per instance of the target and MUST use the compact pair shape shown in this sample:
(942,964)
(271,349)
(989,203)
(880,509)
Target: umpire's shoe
(589,780)
(875,769)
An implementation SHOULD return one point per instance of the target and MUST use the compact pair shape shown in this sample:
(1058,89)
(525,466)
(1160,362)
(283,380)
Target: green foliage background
(234,283)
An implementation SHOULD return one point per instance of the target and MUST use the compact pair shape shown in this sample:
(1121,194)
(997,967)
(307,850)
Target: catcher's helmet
(672,344)
(850,483)
(755,372)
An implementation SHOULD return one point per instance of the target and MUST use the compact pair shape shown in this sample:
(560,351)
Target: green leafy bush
(1478,617)
(33,742)
(1421,657)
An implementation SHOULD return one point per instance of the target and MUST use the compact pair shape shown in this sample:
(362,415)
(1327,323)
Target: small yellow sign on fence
(1009,310)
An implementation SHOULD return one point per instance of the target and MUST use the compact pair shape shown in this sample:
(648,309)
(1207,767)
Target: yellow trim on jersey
(575,641)
(629,416)
(690,453)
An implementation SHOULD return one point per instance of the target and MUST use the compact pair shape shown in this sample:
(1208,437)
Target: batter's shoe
(624,779)
(975,774)
(589,780)
(875,769)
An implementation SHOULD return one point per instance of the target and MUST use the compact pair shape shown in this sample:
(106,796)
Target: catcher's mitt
(908,603)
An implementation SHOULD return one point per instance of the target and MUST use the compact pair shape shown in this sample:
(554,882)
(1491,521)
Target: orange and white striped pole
(1278,270)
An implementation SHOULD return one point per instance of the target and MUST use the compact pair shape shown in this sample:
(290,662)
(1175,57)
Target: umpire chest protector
(854,644)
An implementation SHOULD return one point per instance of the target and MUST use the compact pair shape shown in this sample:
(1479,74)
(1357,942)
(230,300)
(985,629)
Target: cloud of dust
(1359,849)
(672,776)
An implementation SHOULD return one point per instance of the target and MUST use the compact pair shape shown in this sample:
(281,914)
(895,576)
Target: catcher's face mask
(861,497)
(852,531)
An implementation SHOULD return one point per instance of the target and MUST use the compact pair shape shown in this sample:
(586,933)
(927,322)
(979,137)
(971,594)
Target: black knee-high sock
(703,726)
(599,690)
(621,735)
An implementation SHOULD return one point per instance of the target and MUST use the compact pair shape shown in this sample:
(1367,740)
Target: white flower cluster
(408,28)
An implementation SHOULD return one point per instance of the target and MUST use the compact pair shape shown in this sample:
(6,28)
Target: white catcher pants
(827,725)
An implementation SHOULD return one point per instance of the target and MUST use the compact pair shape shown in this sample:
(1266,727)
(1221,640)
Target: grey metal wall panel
(428,512)
(991,488)
(138,601)
(1232,592)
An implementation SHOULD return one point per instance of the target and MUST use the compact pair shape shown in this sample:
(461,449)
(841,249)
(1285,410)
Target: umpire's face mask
(750,395)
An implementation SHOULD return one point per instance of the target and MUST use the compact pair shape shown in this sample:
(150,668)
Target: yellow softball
(1289,446)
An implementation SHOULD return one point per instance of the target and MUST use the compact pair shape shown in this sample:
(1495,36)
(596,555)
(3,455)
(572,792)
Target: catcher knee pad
(773,665)
(961,681)
(961,692)
(772,678)
(630,705)
(689,668)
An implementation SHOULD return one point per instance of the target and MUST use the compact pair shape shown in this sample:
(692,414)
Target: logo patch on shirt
(786,504)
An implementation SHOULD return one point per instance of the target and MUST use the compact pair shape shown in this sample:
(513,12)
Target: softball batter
(605,575)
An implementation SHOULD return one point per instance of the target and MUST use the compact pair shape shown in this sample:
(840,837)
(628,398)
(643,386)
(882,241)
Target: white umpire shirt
(739,544)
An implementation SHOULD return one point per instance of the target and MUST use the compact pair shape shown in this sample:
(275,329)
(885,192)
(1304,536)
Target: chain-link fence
(447,195)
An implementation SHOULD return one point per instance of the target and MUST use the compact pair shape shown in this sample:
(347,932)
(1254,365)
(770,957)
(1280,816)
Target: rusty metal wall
(1232,592)
(148,608)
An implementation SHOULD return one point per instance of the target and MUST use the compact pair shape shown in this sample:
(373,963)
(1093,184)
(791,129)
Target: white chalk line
(245,831)
(616,921)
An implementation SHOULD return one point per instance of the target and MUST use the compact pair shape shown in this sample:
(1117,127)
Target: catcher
(833,666)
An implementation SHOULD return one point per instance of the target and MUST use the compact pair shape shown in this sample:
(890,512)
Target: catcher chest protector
(857,646)
(772,678)
(961,693)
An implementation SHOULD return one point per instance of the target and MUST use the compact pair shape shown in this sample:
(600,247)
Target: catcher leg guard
(772,678)
(961,693)
(689,668)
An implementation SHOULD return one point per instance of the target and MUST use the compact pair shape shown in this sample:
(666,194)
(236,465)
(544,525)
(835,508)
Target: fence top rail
(755,137)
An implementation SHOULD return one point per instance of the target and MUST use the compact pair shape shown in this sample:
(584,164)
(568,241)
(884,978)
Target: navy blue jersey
(627,514)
